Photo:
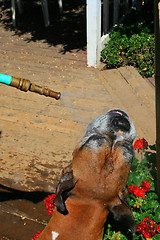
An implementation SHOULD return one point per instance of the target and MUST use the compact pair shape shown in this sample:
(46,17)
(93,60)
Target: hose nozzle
(26,85)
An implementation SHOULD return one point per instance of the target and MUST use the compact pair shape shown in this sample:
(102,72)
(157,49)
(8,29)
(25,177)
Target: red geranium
(140,144)
(36,235)
(140,191)
(49,206)
(158,228)
(49,203)
(146,186)
(147,227)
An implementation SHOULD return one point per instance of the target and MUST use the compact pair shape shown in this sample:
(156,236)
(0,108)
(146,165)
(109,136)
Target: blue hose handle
(5,79)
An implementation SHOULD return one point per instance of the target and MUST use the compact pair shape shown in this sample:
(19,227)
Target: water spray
(26,85)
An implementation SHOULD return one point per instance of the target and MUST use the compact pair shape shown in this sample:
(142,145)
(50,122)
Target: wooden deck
(38,133)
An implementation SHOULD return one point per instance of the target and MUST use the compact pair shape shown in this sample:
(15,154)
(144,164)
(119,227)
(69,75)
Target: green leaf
(156,237)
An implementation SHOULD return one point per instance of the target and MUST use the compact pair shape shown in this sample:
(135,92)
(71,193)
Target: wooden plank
(32,158)
(140,87)
(40,121)
(142,116)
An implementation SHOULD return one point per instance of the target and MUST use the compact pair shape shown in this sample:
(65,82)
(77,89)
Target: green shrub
(132,43)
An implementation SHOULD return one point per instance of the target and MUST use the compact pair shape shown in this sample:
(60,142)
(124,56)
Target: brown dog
(94,184)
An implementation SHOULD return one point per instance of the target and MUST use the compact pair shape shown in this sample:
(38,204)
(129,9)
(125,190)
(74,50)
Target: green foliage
(143,169)
(132,43)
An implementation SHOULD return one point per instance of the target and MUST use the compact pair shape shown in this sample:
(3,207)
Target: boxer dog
(94,184)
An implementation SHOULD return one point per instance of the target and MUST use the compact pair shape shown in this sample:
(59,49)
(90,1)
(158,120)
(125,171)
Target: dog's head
(115,123)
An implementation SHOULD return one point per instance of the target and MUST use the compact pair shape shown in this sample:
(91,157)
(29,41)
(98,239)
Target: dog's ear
(122,213)
(65,185)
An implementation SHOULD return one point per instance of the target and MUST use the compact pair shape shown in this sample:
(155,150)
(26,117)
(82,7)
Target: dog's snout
(121,123)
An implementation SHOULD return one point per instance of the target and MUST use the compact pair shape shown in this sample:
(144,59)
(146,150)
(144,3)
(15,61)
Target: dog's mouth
(119,121)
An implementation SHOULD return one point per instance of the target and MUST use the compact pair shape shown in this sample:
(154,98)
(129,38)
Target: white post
(45,12)
(145,2)
(13,7)
(126,6)
(105,16)
(60,4)
(116,11)
(19,4)
(134,3)
(93,32)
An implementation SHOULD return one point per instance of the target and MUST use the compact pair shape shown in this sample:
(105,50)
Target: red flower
(136,191)
(148,220)
(145,185)
(146,234)
(140,191)
(49,206)
(147,227)
(158,228)
(140,144)
(49,203)
(36,235)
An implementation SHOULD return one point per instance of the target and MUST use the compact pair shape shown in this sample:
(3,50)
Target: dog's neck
(85,220)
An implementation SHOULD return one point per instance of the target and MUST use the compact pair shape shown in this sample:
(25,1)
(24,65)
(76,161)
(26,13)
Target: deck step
(122,84)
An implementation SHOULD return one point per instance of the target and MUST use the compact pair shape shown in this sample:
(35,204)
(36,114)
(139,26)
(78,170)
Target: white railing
(102,16)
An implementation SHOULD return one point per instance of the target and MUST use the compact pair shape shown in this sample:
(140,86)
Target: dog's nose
(120,123)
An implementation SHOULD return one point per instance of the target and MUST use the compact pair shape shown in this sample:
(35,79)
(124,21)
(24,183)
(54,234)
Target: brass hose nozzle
(26,85)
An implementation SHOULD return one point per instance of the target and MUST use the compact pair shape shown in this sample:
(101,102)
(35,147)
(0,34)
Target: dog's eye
(121,123)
